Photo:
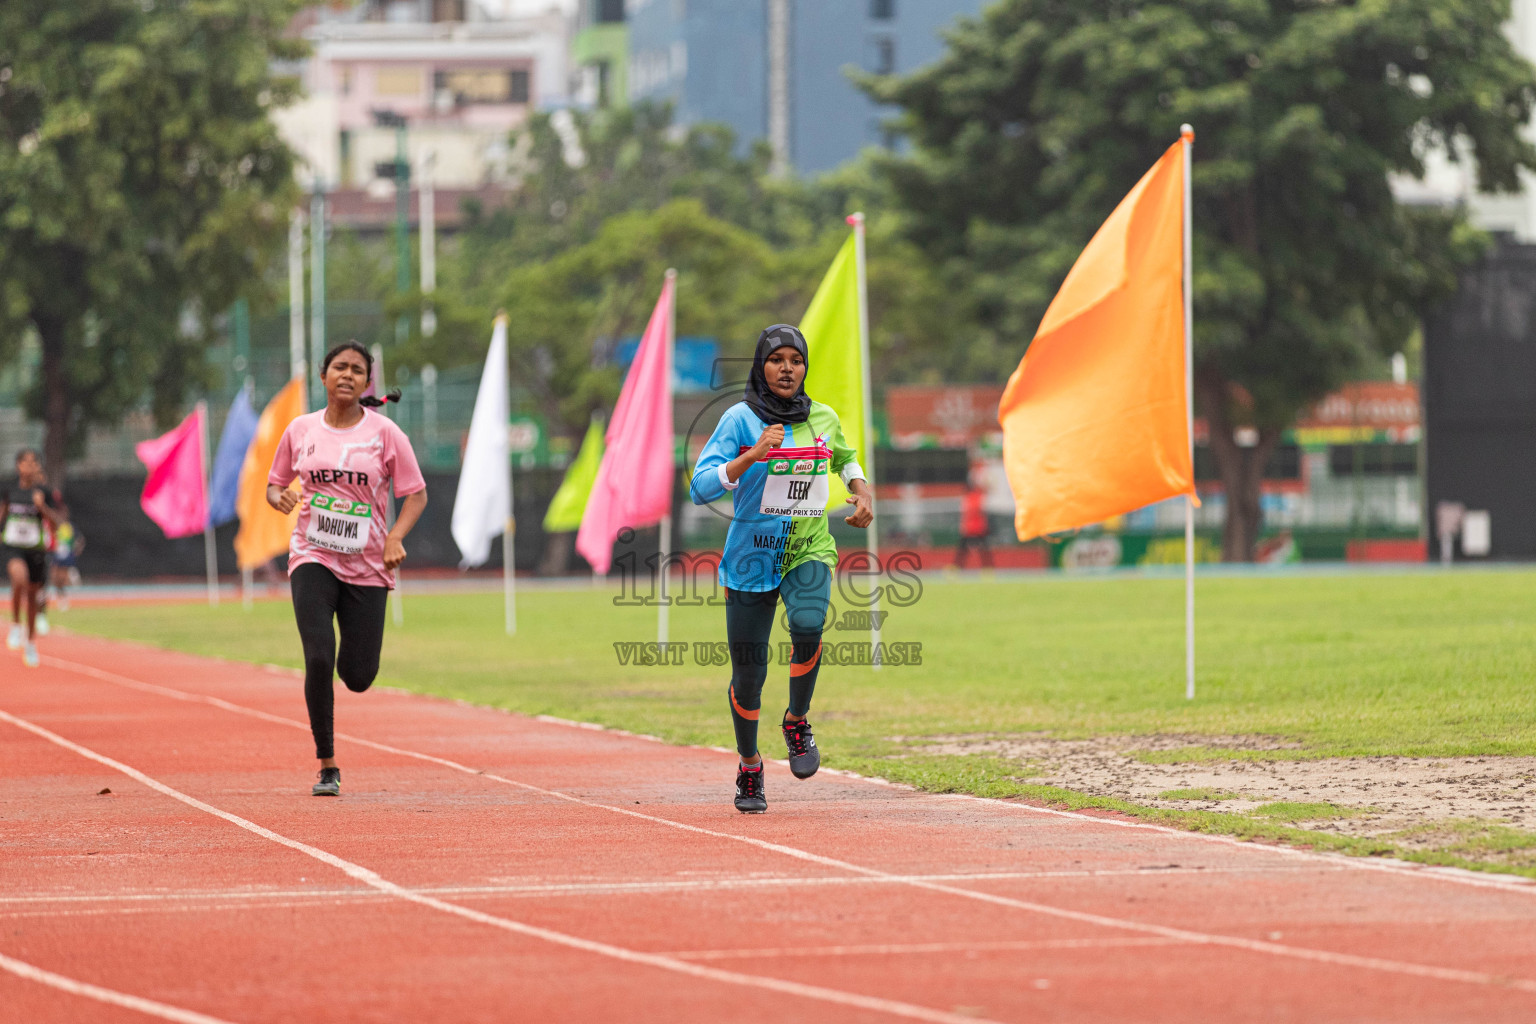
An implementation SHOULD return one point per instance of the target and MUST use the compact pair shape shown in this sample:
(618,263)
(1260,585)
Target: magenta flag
(634,483)
(176,495)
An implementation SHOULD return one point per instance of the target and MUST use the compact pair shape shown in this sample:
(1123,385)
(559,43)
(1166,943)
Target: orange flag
(1094,419)
(264,531)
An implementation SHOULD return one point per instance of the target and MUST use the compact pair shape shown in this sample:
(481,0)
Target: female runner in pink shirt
(340,561)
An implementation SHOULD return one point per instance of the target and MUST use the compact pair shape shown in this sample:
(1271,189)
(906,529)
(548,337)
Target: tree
(584,168)
(598,189)
(1042,114)
(142,188)
(569,310)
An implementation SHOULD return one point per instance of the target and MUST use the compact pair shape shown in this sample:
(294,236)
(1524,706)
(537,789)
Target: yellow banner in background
(836,374)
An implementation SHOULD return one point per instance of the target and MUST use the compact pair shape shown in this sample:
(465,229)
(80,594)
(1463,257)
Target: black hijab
(769,406)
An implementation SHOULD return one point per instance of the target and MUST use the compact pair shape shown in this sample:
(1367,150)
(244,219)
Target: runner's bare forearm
(410,511)
(740,464)
(771,436)
(275,498)
(863,501)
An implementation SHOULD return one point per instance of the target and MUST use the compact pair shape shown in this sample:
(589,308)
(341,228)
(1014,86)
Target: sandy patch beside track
(1429,795)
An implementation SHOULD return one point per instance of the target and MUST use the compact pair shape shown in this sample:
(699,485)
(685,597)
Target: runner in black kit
(24,550)
(340,561)
(55,500)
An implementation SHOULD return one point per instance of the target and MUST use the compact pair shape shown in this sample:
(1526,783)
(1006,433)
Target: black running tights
(749,616)
(318,596)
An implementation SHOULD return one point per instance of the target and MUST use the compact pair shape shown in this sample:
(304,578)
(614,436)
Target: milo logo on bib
(797,483)
(339,524)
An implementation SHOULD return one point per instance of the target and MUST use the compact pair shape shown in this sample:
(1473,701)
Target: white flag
(484,501)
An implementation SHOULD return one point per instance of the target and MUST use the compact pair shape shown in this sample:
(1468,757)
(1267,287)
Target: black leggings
(749,616)
(317,597)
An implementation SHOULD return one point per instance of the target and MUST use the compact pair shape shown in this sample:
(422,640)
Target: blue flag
(239,430)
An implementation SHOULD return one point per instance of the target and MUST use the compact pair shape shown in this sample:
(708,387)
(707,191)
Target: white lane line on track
(237,902)
(889,949)
(1456,876)
(1391,866)
(371,878)
(150,1007)
(619,888)
(1164,931)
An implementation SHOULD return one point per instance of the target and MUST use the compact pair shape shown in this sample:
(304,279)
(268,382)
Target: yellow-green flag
(570,501)
(836,376)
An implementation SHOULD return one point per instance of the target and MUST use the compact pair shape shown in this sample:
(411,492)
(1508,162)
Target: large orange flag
(264,531)
(1094,421)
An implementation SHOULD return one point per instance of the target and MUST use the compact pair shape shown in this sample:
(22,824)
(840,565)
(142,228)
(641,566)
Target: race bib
(22,533)
(338,524)
(797,482)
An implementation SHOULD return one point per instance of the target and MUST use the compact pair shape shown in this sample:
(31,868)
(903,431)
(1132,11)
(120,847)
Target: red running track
(484,866)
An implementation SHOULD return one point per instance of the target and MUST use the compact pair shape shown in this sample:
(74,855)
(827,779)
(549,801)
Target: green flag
(570,501)
(836,376)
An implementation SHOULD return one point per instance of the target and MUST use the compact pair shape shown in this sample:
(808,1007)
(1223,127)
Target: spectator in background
(23,549)
(51,530)
(974,528)
(67,545)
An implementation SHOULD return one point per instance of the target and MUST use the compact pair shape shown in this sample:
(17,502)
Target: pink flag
(634,482)
(176,495)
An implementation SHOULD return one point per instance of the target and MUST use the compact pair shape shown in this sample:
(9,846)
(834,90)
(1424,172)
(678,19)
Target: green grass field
(1421,663)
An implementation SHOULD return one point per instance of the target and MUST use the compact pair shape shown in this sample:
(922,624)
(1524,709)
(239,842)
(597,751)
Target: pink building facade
(462,87)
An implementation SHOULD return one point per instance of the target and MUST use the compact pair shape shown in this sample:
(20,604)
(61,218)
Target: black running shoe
(804,758)
(329,784)
(750,798)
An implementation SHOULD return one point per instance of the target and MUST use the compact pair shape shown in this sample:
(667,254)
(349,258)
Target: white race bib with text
(338,524)
(22,533)
(797,482)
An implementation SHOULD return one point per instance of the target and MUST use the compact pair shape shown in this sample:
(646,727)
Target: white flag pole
(317,218)
(427,227)
(868,454)
(664,605)
(297,364)
(1187,133)
(247,576)
(508,575)
(396,599)
(210,553)
(509,534)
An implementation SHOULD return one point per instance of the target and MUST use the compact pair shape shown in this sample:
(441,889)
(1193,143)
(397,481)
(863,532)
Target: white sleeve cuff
(851,472)
(726,481)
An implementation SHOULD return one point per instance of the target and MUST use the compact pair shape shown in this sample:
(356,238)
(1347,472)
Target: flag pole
(210,553)
(509,534)
(396,599)
(247,575)
(868,454)
(1187,133)
(317,218)
(508,575)
(663,607)
(297,364)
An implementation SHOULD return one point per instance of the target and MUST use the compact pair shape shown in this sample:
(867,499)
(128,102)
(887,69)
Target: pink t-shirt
(345,477)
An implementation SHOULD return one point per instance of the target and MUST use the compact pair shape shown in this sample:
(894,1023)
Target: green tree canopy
(142,186)
(611,199)
(1043,114)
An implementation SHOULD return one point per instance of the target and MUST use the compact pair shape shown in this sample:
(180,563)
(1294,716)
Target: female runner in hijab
(774,451)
